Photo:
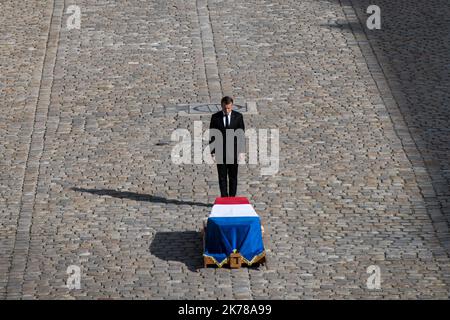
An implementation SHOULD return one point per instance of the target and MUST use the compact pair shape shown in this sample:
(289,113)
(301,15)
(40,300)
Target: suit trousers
(230,171)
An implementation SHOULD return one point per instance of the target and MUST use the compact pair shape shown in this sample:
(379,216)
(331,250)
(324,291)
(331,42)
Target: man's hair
(226,100)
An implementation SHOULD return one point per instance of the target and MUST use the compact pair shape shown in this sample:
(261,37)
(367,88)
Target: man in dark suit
(229,124)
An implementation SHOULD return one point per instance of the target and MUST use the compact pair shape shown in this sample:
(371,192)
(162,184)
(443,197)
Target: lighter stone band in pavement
(22,240)
(209,52)
(243,291)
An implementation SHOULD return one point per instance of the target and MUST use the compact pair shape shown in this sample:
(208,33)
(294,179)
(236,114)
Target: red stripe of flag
(232,200)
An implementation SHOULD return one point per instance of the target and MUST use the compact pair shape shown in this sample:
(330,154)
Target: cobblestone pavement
(412,48)
(86,181)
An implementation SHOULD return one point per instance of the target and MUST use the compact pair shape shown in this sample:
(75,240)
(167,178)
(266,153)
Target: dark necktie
(226,121)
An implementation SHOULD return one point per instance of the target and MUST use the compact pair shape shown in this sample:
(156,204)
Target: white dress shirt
(229,119)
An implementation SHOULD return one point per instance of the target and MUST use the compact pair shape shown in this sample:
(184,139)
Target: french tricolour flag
(233,226)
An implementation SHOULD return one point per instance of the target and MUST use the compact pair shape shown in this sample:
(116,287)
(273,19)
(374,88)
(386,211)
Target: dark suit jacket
(237,122)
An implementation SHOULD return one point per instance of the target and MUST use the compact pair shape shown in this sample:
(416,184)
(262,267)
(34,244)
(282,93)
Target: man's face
(227,108)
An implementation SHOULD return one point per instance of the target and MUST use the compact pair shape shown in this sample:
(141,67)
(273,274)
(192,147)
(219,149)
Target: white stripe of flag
(232,210)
